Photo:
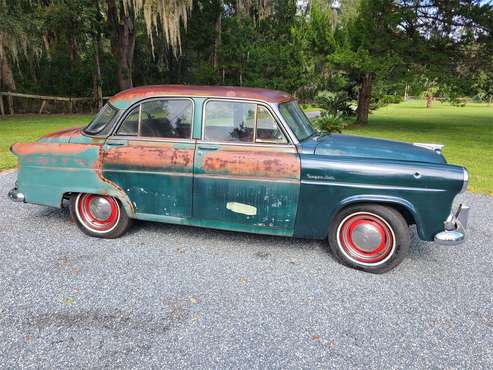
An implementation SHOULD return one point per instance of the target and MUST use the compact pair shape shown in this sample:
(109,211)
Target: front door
(150,157)
(246,174)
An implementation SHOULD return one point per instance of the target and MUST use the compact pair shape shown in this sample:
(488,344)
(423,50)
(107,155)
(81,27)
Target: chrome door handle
(208,147)
(117,142)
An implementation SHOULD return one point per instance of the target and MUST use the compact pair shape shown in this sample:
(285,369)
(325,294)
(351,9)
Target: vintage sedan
(243,159)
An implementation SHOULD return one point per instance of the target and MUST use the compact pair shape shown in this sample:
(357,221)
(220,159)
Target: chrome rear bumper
(455,227)
(16,196)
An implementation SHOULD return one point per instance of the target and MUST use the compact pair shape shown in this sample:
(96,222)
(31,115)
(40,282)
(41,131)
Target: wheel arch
(121,197)
(403,206)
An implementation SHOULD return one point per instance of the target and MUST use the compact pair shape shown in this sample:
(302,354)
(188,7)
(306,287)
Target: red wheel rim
(366,238)
(99,213)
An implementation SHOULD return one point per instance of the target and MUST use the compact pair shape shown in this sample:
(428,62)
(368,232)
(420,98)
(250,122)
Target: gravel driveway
(176,296)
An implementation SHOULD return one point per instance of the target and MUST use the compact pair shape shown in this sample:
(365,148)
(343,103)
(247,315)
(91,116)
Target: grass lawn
(26,128)
(467,133)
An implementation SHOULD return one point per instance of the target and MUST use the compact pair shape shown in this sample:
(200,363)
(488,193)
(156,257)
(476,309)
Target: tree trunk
(98,83)
(122,43)
(218,40)
(7,82)
(364,98)
(429,100)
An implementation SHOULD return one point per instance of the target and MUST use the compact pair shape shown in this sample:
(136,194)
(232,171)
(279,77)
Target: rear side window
(130,126)
(163,118)
(242,122)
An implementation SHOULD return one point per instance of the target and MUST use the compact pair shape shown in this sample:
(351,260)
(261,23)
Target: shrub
(328,122)
(336,103)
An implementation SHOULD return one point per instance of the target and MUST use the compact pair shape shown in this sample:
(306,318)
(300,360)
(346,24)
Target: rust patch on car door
(162,156)
(251,162)
(156,175)
(246,187)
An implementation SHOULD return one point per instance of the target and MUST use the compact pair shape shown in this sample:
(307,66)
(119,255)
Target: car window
(267,129)
(229,121)
(130,125)
(166,119)
(102,122)
(163,118)
(296,119)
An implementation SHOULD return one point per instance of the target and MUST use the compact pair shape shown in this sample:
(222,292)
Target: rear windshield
(103,120)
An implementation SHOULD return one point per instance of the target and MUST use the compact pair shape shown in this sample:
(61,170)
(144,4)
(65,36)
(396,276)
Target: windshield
(102,120)
(296,119)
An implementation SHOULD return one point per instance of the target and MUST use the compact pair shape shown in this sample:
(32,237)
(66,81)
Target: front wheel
(99,215)
(369,237)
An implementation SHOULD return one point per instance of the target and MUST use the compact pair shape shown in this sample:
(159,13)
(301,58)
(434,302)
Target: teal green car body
(294,189)
(349,169)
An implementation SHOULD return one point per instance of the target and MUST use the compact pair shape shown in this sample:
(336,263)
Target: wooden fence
(68,102)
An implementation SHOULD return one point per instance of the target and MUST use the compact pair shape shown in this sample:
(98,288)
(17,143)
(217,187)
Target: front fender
(329,183)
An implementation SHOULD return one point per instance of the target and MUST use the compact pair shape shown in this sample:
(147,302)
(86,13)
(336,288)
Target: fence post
(43,103)
(10,101)
(2,109)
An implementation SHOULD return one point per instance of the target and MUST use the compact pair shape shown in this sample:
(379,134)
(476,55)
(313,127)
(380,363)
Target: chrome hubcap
(366,237)
(100,208)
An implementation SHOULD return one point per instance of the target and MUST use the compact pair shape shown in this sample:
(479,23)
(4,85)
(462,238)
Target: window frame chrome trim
(269,107)
(126,113)
(262,145)
(151,139)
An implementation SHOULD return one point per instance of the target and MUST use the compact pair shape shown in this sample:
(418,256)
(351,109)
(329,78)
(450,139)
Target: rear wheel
(369,237)
(99,215)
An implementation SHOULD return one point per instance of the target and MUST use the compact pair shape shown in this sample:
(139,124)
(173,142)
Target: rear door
(246,173)
(151,157)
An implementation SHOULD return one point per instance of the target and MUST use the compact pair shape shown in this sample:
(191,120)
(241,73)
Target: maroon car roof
(125,98)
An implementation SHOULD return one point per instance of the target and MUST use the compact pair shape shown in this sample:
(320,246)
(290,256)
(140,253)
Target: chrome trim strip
(162,173)
(247,178)
(364,186)
(262,145)
(203,175)
(152,139)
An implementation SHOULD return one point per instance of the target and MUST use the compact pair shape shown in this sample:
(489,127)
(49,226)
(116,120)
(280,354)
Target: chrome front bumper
(16,196)
(455,227)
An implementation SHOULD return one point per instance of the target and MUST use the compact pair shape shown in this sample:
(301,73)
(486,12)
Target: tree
(435,40)
(160,16)
(19,35)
